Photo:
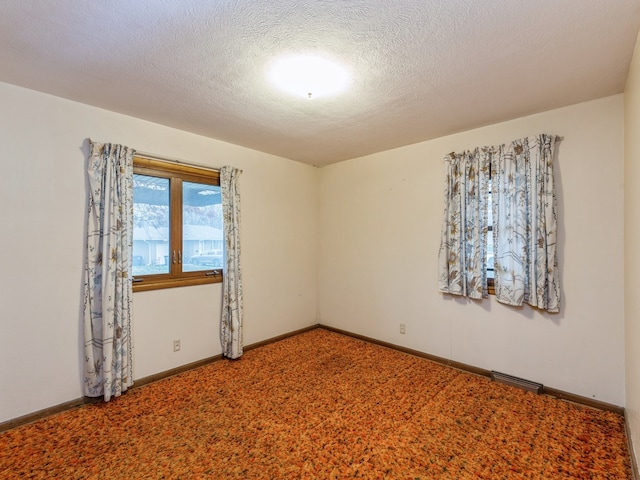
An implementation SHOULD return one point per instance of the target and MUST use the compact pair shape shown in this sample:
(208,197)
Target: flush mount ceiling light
(309,76)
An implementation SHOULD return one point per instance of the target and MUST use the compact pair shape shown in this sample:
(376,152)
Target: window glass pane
(202,227)
(150,225)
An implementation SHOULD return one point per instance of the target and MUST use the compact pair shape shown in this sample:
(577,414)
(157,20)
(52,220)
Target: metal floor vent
(516,382)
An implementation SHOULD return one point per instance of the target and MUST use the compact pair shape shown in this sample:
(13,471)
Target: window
(177,225)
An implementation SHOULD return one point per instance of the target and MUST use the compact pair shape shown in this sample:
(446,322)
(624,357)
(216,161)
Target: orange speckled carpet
(321,405)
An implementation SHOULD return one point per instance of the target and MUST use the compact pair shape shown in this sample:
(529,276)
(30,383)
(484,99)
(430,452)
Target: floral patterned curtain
(463,245)
(232,300)
(525,224)
(108,281)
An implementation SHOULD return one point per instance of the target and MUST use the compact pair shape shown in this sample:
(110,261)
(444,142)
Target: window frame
(176,173)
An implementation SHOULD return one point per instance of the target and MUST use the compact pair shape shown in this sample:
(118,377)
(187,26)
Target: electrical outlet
(402,328)
(176,345)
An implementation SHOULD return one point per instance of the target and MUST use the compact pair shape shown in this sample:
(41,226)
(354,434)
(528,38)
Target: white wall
(379,227)
(377,238)
(631,241)
(42,213)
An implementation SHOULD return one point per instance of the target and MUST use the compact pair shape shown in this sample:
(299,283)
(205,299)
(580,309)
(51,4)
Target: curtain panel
(525,224)
(108,281)
(463,245)
(232,298)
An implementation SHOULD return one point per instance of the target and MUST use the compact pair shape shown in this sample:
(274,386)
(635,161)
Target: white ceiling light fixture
(309,76)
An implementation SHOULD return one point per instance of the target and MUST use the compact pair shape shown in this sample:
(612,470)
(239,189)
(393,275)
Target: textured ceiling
(420,68)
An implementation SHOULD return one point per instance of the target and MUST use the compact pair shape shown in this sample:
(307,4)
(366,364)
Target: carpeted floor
(322,406)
